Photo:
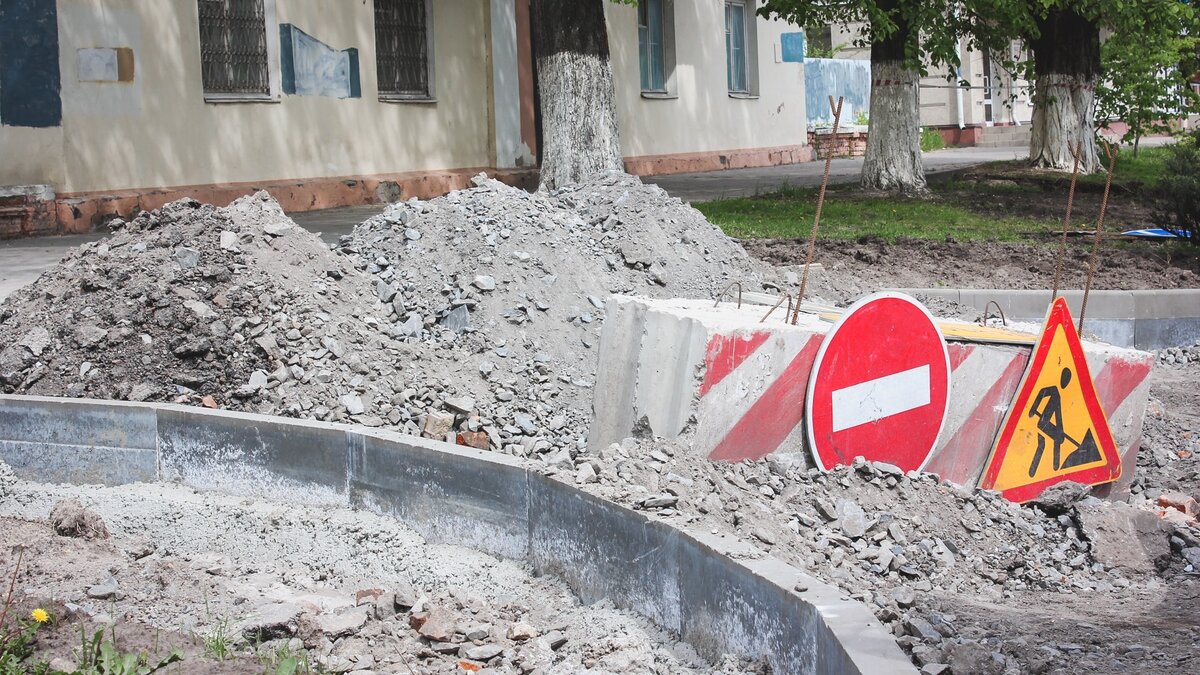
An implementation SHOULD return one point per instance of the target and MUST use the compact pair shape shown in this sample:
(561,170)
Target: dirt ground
(918,263)
(236,583)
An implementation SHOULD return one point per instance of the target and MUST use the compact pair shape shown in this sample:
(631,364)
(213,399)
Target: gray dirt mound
(472,317)
(191,301)
(506,291)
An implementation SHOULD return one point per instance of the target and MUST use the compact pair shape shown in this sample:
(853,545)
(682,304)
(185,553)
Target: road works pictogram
(1056,429)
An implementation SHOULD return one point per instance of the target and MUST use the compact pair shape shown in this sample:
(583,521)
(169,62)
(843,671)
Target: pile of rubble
(908,545)
(471,318)
(505,290)
(232,307)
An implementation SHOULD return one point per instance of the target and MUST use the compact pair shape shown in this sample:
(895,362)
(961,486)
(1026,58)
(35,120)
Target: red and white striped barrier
(734,389)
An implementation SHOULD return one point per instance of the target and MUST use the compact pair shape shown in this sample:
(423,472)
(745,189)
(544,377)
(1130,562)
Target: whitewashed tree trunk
(579,115)
(1066,59)
(1064,112)
(893,158)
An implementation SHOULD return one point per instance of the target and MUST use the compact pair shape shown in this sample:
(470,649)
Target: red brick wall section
(960,138)
(83,212)
(717,160)
(844,144)
(26,216)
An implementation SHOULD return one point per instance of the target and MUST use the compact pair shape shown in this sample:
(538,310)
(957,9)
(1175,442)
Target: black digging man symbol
(1050,426)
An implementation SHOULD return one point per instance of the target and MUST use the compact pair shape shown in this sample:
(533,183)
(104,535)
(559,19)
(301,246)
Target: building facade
(990,97)
(108,106)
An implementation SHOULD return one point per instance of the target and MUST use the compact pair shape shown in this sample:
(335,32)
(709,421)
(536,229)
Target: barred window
(233,47)
(402,48)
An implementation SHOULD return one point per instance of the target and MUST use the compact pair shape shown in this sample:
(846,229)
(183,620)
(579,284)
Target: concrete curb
(1142,319)
(685,582)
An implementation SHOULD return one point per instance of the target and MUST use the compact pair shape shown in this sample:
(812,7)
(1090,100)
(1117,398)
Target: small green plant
(862,118)
(218,644)
(100,656)
(284,660)
(931,139)
(17,640)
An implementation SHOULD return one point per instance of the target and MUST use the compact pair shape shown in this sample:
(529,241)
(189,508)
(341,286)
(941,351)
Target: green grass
(1145,170)
(789,214)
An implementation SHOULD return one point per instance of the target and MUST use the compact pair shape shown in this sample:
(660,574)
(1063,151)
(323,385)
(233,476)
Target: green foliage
(100,656)
(861,118)
(1180,187)
(1146,67)
(931,139)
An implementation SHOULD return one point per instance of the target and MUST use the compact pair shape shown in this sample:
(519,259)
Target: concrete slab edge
(719,595)
(1144,319)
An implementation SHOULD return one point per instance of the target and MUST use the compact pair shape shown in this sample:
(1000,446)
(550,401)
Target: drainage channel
(708,591)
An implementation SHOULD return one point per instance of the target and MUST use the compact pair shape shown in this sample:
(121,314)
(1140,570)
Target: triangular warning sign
(1056,429)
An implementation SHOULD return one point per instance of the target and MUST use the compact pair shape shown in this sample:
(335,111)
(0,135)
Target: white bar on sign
(879,398)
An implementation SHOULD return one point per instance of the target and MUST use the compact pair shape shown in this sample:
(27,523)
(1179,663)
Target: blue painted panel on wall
(312,68)
(850,78)
(792,45)
(29,78)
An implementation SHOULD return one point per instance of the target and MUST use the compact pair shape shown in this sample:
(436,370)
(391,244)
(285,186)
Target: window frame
(274,80)
(430,95)
(749,49)
(646,51)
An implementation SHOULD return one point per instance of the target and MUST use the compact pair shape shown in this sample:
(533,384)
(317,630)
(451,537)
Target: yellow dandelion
(40,615)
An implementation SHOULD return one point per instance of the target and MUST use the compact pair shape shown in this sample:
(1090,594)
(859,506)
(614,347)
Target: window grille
(233,47)
(402,48)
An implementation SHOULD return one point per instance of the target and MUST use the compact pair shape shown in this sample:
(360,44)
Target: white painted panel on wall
(96,64)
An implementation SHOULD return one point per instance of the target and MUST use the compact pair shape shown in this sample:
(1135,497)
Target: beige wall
(158,131)
(30,156)
(704,117)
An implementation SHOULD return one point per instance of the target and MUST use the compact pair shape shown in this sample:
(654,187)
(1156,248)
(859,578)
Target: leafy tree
(1067,68)
(907,37)
(1146,76)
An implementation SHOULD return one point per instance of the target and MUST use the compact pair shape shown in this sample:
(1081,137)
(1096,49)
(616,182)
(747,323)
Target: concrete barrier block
(737,382)
(448,493)
(983,380)
(1122,378)
(69,441)
(301,461)
(744,398)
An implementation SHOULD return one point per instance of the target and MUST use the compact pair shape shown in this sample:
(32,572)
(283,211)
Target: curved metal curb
(696,585)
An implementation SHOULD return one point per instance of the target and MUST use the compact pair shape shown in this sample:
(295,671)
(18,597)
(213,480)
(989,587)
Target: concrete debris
(295,573)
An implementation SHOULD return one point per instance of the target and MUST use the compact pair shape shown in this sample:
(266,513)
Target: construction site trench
(483,432)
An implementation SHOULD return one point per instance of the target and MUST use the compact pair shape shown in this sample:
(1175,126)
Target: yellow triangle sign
(1055,429)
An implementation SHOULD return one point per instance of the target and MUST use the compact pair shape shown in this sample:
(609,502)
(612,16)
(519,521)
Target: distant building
(990,97)
(108,106)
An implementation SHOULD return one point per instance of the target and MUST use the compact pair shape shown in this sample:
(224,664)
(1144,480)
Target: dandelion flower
(40,615)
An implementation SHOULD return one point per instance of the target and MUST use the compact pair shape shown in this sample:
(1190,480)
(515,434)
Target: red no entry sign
(880,385)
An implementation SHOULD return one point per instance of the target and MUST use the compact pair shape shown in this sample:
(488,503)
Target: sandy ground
(182,569)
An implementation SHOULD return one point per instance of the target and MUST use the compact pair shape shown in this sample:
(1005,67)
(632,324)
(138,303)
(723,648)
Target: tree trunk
(579,112)
(893,157)
(1066,60)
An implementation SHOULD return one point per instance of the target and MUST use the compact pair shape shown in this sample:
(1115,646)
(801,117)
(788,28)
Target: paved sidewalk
(702,187)
(22,260)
